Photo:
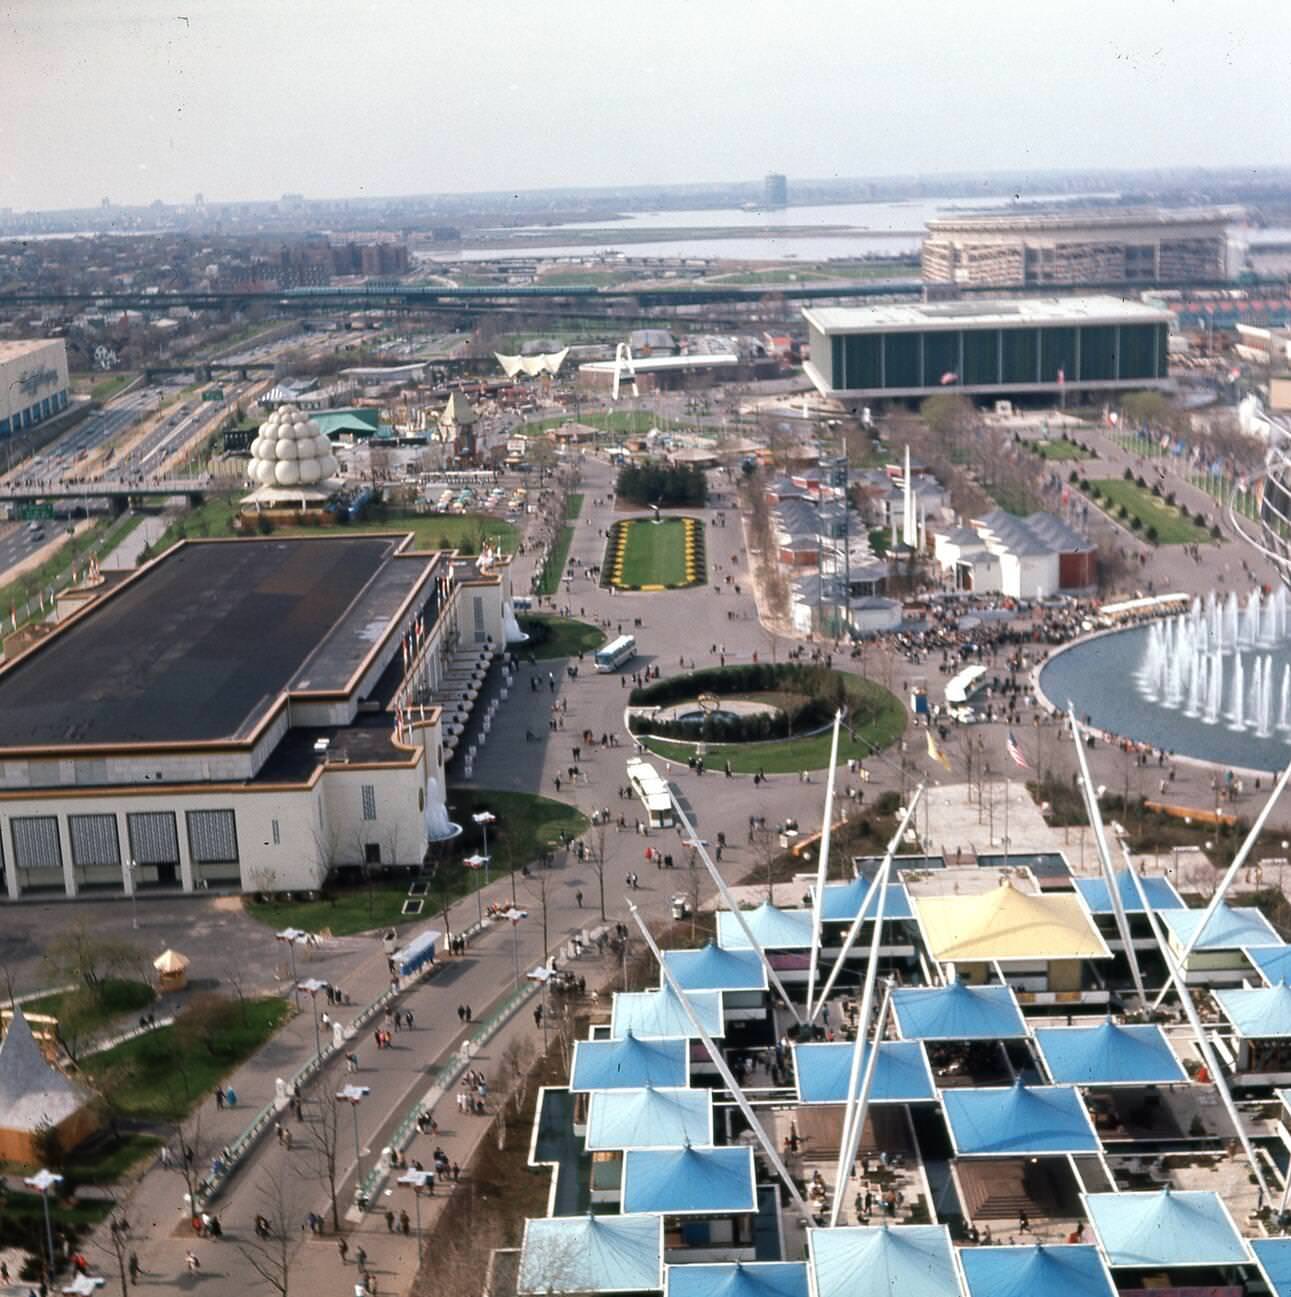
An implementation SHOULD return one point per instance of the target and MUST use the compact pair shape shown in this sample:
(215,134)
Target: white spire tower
(909,519)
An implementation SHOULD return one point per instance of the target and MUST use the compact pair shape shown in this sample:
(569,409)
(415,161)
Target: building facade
(242,714)
(33,382)
(989,348)
(1139,245)
(775,190)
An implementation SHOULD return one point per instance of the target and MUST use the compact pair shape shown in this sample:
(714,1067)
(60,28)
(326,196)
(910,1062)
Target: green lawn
(431,530)
(655,554)
(553,569)
(573,507)
(809,753)
(158,1077)
(116,997)
(1172,526)
(632,423)
(1057,450)
(106,388)
(558,637)
(526,823)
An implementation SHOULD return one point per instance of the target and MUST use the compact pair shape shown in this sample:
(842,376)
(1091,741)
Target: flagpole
(1006,821)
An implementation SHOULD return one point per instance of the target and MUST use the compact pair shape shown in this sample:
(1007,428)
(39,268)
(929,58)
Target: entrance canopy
(1170,1227)
(1018,1120)
(689,1181)
(1159,891)
(649,1118)
(901,1075)
(739,1279)
(1109,1054)
(958,1012)
(1257,1013)
(1054,1271)
(660,1013)
(629,1063)
(588,1254)
(773,929)
(714,969)
(882,1261)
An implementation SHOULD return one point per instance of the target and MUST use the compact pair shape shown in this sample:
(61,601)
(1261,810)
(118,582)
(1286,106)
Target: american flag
(1015,753)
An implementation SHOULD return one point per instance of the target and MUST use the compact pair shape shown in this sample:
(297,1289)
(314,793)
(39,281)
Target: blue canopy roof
(842,901)
(737,1279)
(660,1013)
(1231,928)
(1109,1054)
(1063,1270)
(1168,1227)
(629,1063)
(1273,962)
(1160,893)
(773,928)
(1018,1119)
(958,1012)
(882,1261)
(649,1118)
(689,1181)
(584,1254)
(1258,1013)
(1274,1257)
(901,1075)
(715,969)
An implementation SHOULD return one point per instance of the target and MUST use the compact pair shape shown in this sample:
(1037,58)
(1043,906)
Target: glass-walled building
(1006,348)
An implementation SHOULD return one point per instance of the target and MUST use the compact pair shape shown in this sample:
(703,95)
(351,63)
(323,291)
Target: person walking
(191,1263)
(389,1222)
(578,896)
(133,1266)
(343,1248)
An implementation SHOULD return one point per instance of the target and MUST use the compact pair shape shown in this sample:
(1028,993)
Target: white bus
(654,792)
(616,653)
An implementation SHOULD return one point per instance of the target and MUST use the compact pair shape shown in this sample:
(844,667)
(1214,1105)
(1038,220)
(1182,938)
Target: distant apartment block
(1138,245)
(775,191)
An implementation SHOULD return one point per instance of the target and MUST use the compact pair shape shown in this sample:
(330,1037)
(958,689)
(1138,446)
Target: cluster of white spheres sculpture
(290,451)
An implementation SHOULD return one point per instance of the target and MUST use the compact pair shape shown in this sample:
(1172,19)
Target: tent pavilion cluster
(926,1080)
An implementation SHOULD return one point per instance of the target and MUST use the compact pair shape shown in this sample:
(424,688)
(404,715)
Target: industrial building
(244,714)
(1129,245)
(33,382)
(1039,347)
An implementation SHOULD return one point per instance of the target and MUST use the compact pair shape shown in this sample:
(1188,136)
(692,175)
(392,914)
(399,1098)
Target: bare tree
(269,1253)
(119,1246)
(538,887)
(598,862)
(322,1151)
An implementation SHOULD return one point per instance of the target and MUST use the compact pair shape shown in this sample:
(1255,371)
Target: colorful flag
(1015,753)
(935,751)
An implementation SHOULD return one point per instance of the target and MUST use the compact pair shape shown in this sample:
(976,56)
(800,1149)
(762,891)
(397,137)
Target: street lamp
(354,1095)
(419,1181)
(484,819)
(478,861)
(313,986)
(43,1181)
(132,867)
(291,936)
(515,916)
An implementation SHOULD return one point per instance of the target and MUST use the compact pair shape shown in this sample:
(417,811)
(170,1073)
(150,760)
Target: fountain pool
(1212,683)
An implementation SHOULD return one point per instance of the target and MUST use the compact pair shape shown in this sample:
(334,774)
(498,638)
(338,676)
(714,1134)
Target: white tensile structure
(547,363)
(290,453)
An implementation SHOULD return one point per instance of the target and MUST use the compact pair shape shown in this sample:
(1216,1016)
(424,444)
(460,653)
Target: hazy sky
(242,99)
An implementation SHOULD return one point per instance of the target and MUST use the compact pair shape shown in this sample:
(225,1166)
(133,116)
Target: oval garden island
(767,717)
(654,554)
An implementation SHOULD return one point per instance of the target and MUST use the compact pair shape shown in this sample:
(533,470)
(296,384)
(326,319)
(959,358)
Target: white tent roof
(32,1093)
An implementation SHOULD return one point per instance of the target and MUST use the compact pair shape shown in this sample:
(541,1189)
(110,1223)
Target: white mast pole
(1095,814)
(854,931)
(1203,1043)
(1238,861)
(822,865)
(715,874)
(854,1123)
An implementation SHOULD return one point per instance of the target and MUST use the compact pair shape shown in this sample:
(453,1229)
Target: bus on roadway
(616,653)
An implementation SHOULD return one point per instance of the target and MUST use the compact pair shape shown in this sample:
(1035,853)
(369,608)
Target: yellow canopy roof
(1007,924)
(170,961)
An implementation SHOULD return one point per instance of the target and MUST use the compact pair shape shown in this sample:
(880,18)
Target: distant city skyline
(245,100)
